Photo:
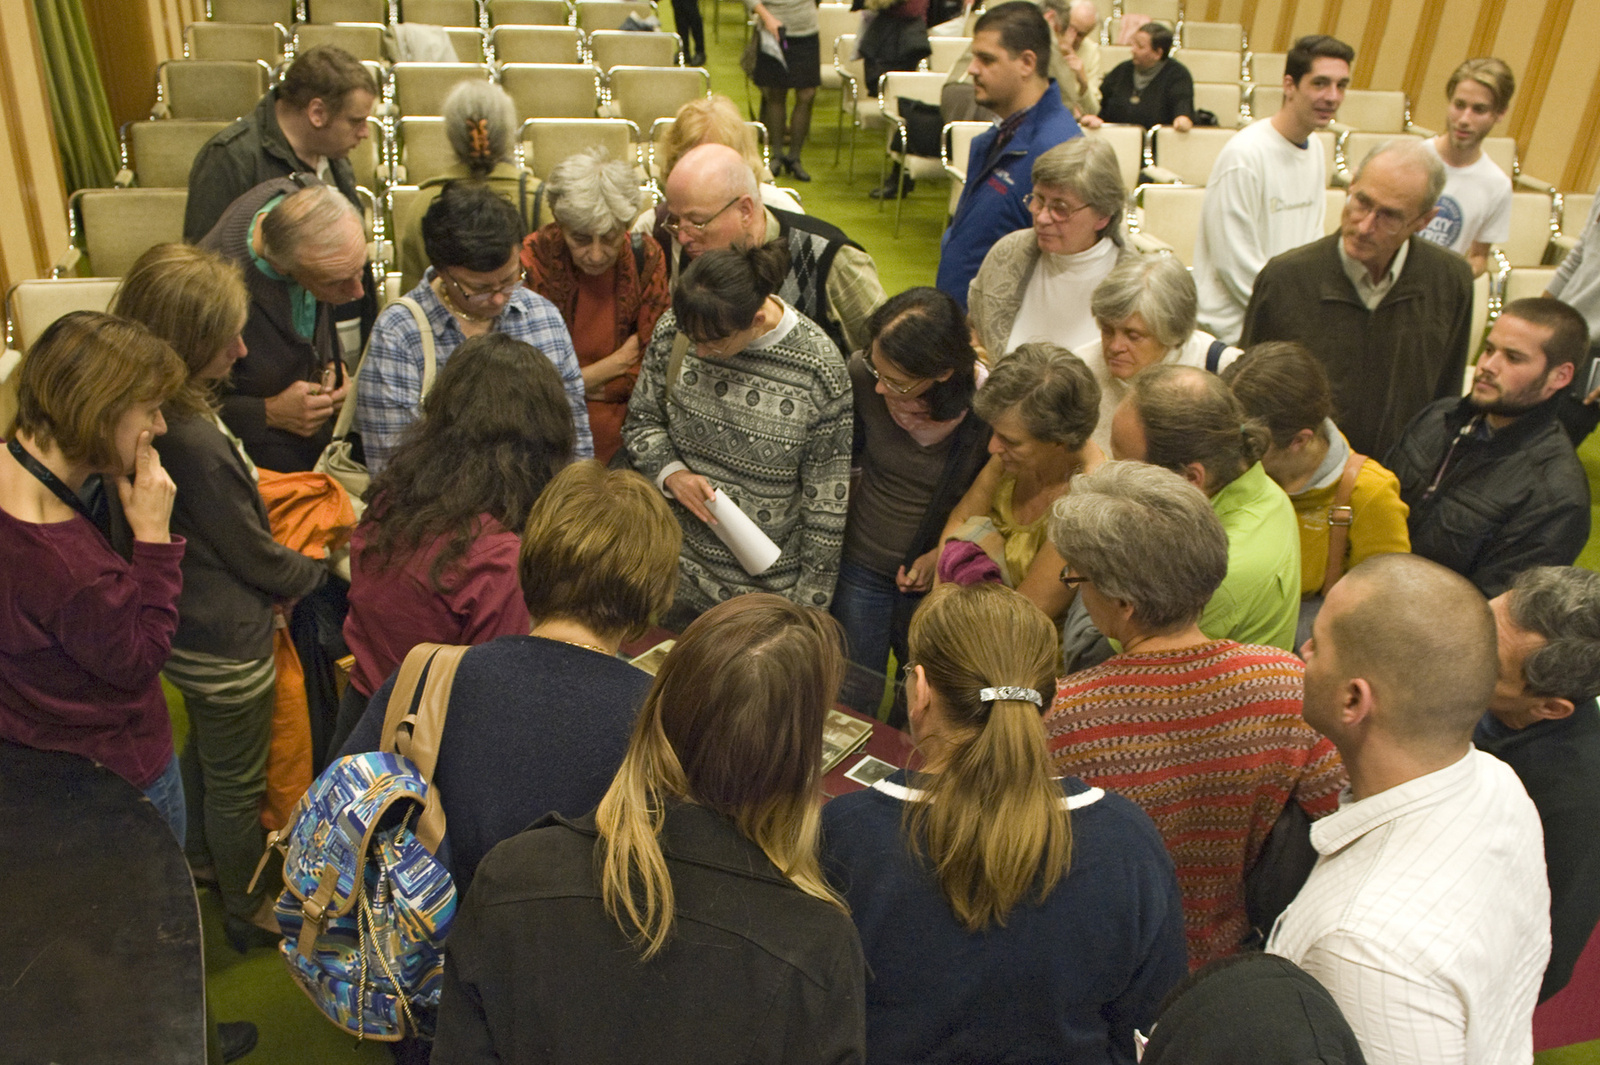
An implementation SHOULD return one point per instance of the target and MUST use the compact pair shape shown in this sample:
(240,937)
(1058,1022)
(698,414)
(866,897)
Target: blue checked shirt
(389,390)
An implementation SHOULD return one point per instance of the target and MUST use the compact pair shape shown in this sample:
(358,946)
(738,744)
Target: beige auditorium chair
(234,40)
(552,90)
(643,94)
(113,227)
(364,40)
(547,141)
(1171,215)
(420,88)
(536,44)
(209,88)
(530,13)
(160,153)
(624,48)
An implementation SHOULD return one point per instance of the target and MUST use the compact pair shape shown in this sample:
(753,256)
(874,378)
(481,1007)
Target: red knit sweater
(1210,743)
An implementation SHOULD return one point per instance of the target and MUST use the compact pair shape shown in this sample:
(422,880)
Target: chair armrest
(1420,131)
(67,265)
(1160,175)
(1529,183)
(1145,244)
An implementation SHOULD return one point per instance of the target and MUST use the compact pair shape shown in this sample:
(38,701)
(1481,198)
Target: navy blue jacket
(1066,980)
(991,201)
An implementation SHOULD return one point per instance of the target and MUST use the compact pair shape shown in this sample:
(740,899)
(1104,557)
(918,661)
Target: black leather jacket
(1490,506)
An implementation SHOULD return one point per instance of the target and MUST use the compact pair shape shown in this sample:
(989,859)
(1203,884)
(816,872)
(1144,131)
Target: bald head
(1423,638)
(1083,17)
(1410,159)
(715,197)
(316,237)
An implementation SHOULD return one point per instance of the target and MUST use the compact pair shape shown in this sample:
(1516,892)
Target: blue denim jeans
(875,615)
(166,795)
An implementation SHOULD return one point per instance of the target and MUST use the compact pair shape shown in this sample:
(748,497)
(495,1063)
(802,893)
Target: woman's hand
(919,578)
(1183,123)
(148,495)
(768,20)
(694,492)
(602,372)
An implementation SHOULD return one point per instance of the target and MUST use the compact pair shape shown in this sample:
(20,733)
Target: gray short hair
(1145,535)
(1051,390)
(592,193)
(472,102)
(1561,604)
(1087,167)
(1412,150)
(1155,287)
(311,221)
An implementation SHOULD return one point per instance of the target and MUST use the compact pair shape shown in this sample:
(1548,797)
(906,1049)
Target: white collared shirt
(1427,917)
(1371,292)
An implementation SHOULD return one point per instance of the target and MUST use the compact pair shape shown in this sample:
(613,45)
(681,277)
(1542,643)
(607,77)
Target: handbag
(339,459)
(752,49)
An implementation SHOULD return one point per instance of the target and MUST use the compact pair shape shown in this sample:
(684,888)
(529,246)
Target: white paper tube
(753,548)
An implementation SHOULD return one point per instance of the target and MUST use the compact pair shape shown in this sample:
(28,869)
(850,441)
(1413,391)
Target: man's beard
(1515,404)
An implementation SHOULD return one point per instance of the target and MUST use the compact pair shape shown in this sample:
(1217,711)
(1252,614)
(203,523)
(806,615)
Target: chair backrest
(609,14)
(530,13)
(1171,213)
(1266,68)
(279,11)
(1527,282)
(440,12)
(207,88)
(1265,99)
(1332,210)
(162,152)
(1222,101)
(1354,145)
(468,42)
(1223,36)
(119,225)
(420,88)
(347,11)
(643,94)
(1168,11)
(625,48)
(1211,66)
(1330,152)
(1375,110)
(662,127)
(850,64)
(1532,226)
(547,141)
(424,149)
(366,156)
(551,90)
(1503,151)
(1189,155)
(925,86)
(364,40)
(958,144)
(233,40)
(399,199)
(1128,142)
(946,50)
(832,20)
(1113,56)
(32,305)
(536,44)
(1575,208)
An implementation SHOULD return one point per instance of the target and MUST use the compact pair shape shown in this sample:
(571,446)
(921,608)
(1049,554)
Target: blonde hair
(193,299)
(993,821)
(733,723)
(1492,74)
(713,119)
(82,375)
(600,547)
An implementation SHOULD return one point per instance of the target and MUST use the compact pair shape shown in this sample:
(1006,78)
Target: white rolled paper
(753,548)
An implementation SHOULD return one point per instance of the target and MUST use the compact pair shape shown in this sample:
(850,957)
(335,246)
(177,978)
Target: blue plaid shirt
(389,391)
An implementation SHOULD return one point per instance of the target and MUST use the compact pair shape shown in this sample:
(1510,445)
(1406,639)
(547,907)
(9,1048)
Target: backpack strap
(680,348)
(1214,355)
(1340,517)
(415,733)
(430,368)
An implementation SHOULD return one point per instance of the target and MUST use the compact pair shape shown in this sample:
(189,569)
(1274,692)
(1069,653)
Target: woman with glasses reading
(473,238)
(1034,284)
(741,393)
(918,446)
(1006,915)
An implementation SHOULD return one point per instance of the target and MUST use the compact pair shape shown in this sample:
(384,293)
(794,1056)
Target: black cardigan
(1169,94)
(756,970)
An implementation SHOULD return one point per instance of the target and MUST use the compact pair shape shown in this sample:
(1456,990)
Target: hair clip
(1021,695)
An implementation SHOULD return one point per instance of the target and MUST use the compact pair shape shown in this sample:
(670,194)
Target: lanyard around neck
(56,485)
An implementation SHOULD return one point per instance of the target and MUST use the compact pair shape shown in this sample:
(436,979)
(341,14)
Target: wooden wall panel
(33,228)
(1556,128)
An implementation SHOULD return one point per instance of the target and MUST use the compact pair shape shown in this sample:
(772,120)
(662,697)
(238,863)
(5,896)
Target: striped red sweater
(1210,743)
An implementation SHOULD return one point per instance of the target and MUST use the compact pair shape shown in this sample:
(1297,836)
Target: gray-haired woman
(1034,284)
(609,285)
(1145,310)
(481,125)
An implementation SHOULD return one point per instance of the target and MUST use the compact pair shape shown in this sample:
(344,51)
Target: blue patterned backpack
(366,906)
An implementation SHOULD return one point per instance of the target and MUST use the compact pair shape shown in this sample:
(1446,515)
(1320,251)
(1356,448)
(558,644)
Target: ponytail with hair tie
(1019,695)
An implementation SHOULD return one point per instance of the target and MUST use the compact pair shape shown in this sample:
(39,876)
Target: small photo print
(869,771)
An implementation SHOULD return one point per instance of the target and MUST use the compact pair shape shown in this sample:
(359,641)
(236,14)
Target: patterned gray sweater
(771,427)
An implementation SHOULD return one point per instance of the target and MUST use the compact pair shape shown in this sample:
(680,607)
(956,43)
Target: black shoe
(244,936)
(236,1039)
(892,188)
(791,163)
(696,60)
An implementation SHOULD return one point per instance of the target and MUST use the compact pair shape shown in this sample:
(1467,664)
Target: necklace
(575,643)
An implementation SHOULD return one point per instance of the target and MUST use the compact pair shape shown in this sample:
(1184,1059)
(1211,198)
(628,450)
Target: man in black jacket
(1544,722)
(1492,481)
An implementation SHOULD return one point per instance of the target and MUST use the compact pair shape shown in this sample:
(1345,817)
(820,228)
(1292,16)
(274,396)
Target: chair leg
(851,177)
(900,200)
(838,132)
(883,177)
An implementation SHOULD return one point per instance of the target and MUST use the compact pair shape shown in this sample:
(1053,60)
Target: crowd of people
(1224,621)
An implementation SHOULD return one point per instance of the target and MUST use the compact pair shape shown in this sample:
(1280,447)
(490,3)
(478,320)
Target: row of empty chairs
(585,14)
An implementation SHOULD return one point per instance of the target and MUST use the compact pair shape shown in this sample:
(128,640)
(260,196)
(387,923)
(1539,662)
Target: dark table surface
(101,957)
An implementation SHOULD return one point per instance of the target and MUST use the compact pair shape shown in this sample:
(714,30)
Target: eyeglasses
(1060,210)
(1070,579)
(904,390)
(676,225)
(1387,219)
(477,293)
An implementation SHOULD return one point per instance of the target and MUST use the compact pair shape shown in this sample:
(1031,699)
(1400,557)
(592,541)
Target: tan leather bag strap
(1340,515)
(420,742)
(430,368)
(680,348)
